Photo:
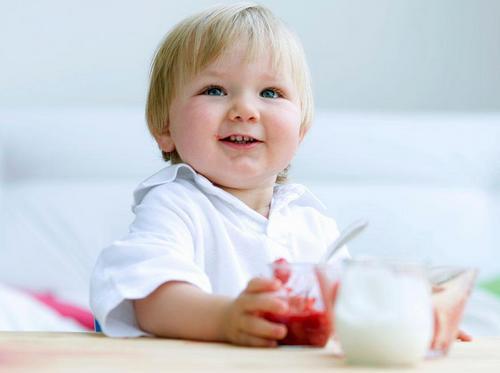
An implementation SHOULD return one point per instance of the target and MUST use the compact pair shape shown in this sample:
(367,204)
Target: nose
(244,109)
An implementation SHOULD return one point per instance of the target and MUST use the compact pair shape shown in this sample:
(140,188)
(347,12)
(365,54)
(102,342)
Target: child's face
(236,122)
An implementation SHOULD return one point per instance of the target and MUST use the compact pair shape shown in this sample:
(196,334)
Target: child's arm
(181,310)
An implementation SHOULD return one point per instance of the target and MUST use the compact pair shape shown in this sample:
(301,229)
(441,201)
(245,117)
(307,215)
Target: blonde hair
(200,39)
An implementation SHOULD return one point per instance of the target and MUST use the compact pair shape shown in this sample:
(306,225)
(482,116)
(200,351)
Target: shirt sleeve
(159,248)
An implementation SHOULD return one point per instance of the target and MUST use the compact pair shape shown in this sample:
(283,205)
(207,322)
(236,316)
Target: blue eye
(270,93)
(214,91)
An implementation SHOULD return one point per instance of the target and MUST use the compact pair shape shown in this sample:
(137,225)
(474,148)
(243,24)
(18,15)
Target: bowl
(451,288)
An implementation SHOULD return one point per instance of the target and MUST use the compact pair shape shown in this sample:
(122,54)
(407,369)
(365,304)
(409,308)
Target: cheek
(285,128)
(192,126)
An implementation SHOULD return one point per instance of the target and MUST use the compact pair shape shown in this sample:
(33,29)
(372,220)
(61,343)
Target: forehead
(268,65)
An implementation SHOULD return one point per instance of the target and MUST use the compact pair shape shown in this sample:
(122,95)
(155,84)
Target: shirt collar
(284,194)
(165,175)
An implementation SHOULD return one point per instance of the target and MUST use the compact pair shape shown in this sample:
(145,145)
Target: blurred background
(384,55)
(407,134)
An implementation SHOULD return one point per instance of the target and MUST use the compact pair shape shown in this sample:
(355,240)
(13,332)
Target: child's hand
(242,324)
(463,336)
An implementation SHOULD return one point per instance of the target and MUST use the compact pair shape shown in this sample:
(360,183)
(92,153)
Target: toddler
(229,103)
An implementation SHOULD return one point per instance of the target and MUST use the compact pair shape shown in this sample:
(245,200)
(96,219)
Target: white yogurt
(383,314)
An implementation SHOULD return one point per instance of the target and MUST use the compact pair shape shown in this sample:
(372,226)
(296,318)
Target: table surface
(90,352)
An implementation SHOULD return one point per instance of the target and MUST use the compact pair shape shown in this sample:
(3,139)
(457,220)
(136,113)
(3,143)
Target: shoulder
(296,196)
(304,209)
(168,204)
(309,213)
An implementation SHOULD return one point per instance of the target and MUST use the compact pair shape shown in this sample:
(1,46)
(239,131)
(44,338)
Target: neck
(257,199)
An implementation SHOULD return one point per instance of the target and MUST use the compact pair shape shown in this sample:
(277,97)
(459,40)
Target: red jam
(305,324)
(309,327)
(282,271)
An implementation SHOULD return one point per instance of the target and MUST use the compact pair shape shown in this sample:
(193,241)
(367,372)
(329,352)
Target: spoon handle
(348,234)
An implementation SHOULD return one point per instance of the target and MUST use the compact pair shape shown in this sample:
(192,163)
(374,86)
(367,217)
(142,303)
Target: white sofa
(428,183)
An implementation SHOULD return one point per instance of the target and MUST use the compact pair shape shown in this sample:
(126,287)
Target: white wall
(364,54)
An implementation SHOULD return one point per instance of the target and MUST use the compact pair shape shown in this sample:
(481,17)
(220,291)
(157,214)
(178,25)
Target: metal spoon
(440,275)
(348,234)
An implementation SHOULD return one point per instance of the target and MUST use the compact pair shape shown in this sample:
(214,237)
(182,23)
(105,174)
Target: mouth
(240,139)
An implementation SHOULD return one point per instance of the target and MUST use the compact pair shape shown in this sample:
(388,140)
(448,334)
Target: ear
(165,141)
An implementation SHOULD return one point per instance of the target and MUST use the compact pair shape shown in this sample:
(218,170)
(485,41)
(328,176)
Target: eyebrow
(214,73)
(221,74)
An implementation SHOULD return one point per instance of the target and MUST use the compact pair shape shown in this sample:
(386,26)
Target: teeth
(240,139)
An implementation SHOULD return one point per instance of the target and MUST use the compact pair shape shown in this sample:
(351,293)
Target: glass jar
(308,292)
(383,312)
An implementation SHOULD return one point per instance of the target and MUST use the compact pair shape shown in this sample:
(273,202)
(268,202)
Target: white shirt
(187,229)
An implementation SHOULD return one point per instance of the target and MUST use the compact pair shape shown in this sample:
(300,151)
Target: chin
(243,175)
(244,181)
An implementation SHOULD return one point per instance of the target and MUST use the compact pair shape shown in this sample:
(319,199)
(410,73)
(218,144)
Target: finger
(463,336)
(261,284)
(245,339)
(263,303)
(259,327)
